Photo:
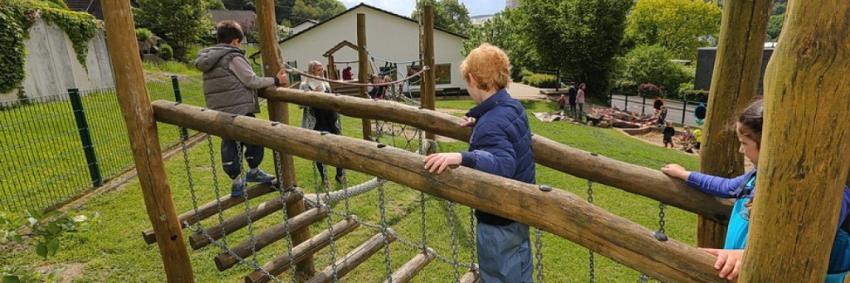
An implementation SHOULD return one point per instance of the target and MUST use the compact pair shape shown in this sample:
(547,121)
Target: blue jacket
(500,144)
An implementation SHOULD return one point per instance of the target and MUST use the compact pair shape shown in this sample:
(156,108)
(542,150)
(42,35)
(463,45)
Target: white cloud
(401,7)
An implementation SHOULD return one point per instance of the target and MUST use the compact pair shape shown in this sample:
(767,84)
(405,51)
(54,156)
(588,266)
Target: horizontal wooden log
(211,208)
(635,179)
(226,260)
(282,263)
(354,258)
(471,276)
(407,271)
(199,239)
(557,211)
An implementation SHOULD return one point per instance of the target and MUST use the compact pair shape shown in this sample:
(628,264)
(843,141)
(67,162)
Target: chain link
(538,246)
(322,188)
(385,232)
(452,225)
(284,195)
(590,257)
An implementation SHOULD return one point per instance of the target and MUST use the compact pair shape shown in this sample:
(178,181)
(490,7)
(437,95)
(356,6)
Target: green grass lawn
(114,251)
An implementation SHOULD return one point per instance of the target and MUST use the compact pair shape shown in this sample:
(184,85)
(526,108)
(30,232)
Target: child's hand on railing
(676,171)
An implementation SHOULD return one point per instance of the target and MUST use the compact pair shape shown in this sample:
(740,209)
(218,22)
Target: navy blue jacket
(500,144)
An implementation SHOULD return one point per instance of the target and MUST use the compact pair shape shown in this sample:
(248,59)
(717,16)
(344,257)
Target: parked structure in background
(705,65)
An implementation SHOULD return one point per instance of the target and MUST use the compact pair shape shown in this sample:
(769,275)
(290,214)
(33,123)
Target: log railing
(631,178)
(555,211)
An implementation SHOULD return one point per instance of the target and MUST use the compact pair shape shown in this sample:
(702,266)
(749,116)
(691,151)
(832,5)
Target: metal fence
(54,148)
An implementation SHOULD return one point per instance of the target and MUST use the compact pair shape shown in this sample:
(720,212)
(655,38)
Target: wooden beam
(270,235)
(332,68)
(632,178)
(211,208)
(733,86)
(428,86)
(363,68)
(406,272)
(279,112)
(144,139)
(557,211)
(199,239)
(281,263)
(354,258)
(805,141)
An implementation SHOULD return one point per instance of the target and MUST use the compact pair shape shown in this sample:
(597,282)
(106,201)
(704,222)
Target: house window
(443,73)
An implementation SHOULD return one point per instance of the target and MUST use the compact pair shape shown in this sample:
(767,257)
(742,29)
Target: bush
(166,52)
(143,34)
(652,64)
(541,81)
(650,90)
(687,92)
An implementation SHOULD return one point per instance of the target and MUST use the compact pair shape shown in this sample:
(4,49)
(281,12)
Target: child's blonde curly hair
(489,65)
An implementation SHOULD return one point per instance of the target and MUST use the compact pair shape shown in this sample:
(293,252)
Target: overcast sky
(405,7)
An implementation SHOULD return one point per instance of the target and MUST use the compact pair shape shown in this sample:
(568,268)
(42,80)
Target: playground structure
(812,56)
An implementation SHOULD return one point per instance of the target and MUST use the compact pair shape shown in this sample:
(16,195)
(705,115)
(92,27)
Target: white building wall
(388,38)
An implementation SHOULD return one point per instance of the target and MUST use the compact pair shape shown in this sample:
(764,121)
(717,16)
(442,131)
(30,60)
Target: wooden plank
(279,112)
(270,235)
(632,178)
(428,86)
(803,158)
(211,208)
(281,263)
(363,68)
(354,258)
(199,239)
(556,211)
(144,140)
(733,86)
(471,276)
(409,270)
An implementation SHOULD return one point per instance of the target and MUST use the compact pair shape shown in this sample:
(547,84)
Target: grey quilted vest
(223,91)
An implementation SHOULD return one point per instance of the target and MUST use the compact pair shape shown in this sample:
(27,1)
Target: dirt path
(525,92)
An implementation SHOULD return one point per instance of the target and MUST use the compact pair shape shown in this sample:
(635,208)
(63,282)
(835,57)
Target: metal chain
(590,257)
(451,215)
(473,239)
(239,156)
(384,232)
(661,217)
(538,246)
(217,186)
(321,185)
(284,195)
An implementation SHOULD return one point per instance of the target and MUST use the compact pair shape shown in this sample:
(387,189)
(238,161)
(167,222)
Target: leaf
(41,250)
(52,246)
(53,228)
(11,279)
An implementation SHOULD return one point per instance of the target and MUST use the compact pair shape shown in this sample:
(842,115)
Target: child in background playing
(742,188)
(669,132)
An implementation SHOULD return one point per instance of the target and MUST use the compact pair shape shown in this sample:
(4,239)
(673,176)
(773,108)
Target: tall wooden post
(144,140)
(427,93)
(733,86)
(805,141)
(279,112)
(363,67)
(331,68)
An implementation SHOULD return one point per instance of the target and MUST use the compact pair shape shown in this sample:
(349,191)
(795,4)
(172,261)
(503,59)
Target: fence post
(558,80)
(85,136)
(643,106)
(684,111)
(178,97)
(611,99)
(627,103)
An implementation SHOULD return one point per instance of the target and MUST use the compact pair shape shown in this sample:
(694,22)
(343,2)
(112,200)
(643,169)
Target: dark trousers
(573,109)
(232,150)
(322,172)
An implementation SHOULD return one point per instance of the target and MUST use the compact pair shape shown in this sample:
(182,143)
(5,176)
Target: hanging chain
(321,185)
(284,195)
(452,224)
(217,186)
(239,156)
(538,246)
(590,257)
(385,232)
(473,239)
(661,217)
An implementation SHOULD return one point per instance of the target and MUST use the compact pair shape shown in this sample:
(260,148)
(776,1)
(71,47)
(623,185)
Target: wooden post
(363,68)
(331,68)
(802,163)
(144,140)
(427,92)
(556,211)
(733,86)
(279,112)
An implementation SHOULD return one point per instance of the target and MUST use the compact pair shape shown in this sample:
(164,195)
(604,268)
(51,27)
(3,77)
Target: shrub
(166,52)
(652,64)
(540,80)
(650,90)
(143,34)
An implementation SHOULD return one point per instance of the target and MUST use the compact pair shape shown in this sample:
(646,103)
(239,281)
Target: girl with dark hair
(742,188)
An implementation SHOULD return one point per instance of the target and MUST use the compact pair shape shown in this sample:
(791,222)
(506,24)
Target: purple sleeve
(845,207)
(716,186)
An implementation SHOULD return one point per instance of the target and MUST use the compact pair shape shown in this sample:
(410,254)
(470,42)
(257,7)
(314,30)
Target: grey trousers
(504,253)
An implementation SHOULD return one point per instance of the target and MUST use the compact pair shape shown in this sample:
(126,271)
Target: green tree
(292,12)
(774,26)
(507,31)
(450,15)
(681,26)
(579,37)
(653,64)
(215,5)
(181,23)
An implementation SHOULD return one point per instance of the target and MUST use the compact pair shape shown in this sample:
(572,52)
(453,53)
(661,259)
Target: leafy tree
(215,5)
(774,26)
(292,12)
(507,31)
(681,26)
(580,37)
(652,64)
(180,22)
(450,15)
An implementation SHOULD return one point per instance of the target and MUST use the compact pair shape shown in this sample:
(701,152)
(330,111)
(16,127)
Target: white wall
(388,37)
(51,65)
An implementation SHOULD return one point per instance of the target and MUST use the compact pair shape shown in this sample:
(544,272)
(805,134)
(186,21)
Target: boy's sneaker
(237,189)
(259,177)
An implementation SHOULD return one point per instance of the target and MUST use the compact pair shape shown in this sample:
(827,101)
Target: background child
(742,188)
(669,132)
(580,102)
(500,145)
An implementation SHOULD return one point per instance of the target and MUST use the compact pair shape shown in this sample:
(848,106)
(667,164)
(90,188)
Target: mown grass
(114,251)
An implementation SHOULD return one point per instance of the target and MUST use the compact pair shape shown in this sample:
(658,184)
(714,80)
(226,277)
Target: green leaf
(52,246)
(11,279)
(41,250)
(53,228)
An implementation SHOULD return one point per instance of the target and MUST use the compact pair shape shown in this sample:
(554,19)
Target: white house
(389,37)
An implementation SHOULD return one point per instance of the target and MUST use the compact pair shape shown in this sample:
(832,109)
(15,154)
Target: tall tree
(507,31)
(580,37)
(180,22)
(680,26)
(292,12)
(450,15)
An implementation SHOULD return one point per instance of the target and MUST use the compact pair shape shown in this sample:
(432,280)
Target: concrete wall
(388,37)
(51,65)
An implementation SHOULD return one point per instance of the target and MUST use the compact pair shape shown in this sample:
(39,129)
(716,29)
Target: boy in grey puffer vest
(229,86)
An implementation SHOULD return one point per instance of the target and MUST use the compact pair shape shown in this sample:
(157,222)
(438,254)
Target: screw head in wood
(380,145)
(545,188)
(660,236)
